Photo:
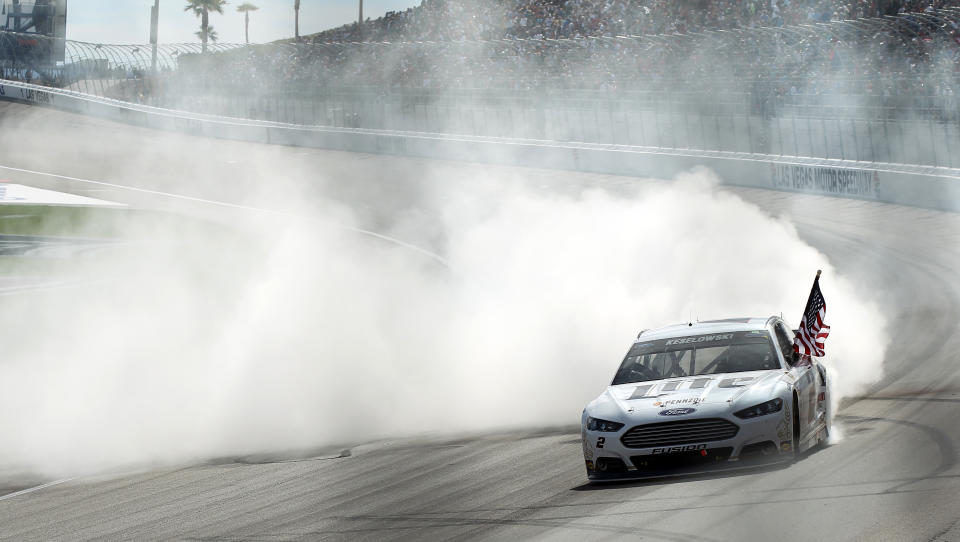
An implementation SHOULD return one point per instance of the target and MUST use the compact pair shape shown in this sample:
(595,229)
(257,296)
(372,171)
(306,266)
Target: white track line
(32,489)
(376,235)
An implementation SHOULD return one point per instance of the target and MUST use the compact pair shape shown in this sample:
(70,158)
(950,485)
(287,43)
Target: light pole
(360,21)
(154,18)
(296,19)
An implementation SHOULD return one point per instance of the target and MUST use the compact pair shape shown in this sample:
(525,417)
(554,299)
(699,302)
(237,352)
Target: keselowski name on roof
(700,339)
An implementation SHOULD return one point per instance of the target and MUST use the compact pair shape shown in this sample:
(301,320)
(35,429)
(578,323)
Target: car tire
(796,428)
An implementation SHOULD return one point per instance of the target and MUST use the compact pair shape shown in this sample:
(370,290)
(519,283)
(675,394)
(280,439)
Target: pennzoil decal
(684,401)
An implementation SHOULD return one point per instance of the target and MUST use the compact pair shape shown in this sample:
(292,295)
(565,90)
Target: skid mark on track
(948,454)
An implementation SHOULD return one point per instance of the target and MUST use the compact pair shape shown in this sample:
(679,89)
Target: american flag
(813,332)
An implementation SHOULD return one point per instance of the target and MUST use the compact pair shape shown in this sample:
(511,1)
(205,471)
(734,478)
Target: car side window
(785,341)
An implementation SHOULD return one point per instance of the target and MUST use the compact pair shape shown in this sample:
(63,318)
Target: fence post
(886,137)
(856,140)
(716,122)
(948,143)
(826,143)
(933,143)
(840,139)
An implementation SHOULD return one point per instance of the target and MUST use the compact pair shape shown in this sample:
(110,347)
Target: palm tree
(202,9)
(246,8)
(211,34)
(296,19)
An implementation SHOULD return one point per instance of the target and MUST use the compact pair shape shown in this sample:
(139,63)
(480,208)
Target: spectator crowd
(452,20)
(770,50)
(611,45)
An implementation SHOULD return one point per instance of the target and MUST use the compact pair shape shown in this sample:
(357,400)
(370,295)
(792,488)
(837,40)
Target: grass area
(178,236)
(91,222)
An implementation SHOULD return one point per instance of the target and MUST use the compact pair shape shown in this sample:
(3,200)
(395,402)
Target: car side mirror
(794,357)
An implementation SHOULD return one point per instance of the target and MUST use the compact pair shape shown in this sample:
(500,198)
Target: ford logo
(677,411)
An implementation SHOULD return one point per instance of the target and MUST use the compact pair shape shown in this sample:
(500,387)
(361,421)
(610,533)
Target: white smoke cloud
(308,335)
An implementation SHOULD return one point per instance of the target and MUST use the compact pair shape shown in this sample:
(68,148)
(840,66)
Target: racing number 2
(600,442)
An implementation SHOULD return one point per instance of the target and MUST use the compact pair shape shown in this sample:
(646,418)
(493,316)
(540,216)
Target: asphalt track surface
(894,477)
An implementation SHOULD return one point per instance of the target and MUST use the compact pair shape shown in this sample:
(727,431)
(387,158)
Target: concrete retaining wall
(935,188)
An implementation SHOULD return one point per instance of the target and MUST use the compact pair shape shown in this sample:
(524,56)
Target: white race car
(696,397)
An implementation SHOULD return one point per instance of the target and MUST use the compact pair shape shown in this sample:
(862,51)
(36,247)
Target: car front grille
(679,432)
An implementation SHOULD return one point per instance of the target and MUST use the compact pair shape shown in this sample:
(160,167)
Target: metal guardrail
(883,139)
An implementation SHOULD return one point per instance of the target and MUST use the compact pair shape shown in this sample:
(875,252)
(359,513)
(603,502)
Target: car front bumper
(760,441)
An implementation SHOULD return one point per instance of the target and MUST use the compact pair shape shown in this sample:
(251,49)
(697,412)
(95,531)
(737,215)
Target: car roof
(700,328)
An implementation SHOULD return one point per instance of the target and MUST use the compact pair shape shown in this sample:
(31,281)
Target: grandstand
(864,80)
(453,20)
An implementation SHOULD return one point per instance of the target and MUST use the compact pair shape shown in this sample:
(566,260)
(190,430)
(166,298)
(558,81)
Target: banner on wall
(29,195)
(862,183)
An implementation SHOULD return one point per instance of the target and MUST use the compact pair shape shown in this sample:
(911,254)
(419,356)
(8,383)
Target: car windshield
(698,355)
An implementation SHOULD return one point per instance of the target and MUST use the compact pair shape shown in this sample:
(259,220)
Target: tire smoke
(305,335)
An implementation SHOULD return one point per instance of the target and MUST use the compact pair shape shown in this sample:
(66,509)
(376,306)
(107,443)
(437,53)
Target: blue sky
(128,21)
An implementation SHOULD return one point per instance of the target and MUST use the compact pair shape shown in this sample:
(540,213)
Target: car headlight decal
(770,407)
(596,424)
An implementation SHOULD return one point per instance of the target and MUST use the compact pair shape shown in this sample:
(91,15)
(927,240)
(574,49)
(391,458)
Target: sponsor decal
(5,197)
(786,446)
(684,401)
(785,425)
(19,193)
(677,411)
(700,339)
(825,180)
(675,449)
(35,96)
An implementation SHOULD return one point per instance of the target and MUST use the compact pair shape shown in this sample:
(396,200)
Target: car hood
(707,392)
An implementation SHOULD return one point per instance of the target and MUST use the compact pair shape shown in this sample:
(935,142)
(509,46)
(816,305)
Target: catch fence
(868,133)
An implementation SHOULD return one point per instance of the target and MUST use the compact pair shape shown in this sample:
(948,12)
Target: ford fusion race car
(697,397)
